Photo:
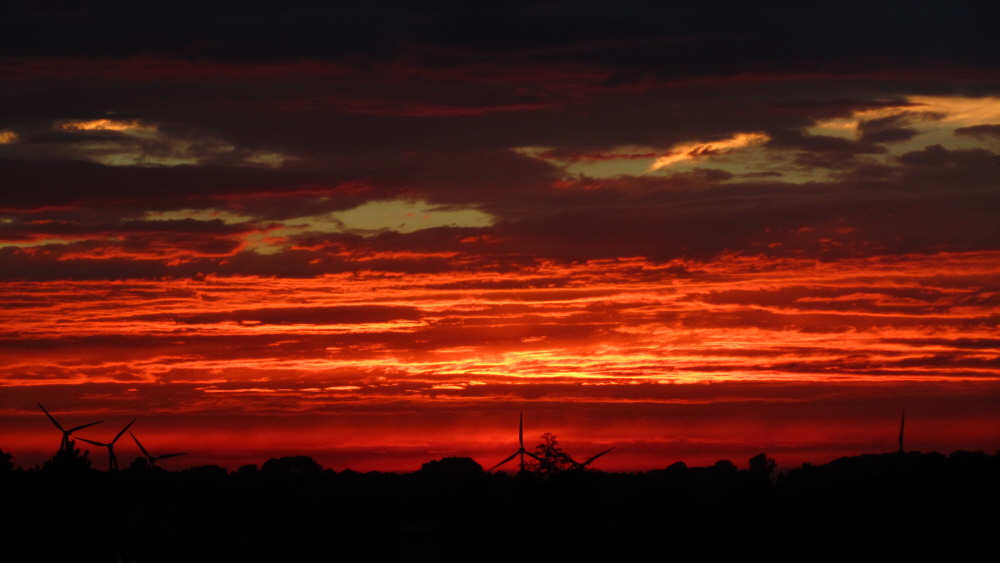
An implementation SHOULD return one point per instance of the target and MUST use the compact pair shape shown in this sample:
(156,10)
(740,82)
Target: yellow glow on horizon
(8,137)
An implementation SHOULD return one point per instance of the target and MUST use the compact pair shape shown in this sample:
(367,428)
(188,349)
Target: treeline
(292,509)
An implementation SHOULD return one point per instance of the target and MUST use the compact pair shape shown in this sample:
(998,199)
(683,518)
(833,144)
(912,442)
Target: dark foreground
(887,505)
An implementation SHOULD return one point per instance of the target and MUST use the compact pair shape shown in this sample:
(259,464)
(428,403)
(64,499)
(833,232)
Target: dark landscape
(291,509)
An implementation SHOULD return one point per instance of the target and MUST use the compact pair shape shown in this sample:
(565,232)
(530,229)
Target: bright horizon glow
(340,349)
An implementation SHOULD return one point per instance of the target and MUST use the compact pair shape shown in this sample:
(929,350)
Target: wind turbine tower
(902,427)
(65,444)
(152,459)
(112,459)
(583,466)
(521,451)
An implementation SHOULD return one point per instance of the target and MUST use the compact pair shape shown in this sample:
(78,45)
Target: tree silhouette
(5,462)
(725,466)
(68,460)
(299,465)
(552,458)
(139,464)
(762,465)
(460,469)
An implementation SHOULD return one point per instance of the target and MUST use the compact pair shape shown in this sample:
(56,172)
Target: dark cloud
(830,109)
(42,183)
(23,230)
(346,314)
(936,156)
(926,201)
(531,283)
(886,130)
(979,131)
(822,143)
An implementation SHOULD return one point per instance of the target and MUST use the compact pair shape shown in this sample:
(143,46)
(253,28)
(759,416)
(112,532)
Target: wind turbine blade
(567,457)
(529,454)
(520,431)
(503,462)
(144,452)
(586,463)
(123,431)
(51,418)
(93,442)
(81,427)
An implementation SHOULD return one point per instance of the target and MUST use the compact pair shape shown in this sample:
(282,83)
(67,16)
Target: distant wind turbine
(152,460)
(65,443)
(902,426)
(521,451)
(112,460)
(583,466)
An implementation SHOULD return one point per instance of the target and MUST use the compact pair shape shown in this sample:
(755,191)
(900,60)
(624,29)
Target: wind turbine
(112,460)
(583,466)
(521,451)
(902,426)
(65,443)
(152,460)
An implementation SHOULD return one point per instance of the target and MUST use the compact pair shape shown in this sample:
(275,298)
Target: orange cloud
(693,151)
(105,125)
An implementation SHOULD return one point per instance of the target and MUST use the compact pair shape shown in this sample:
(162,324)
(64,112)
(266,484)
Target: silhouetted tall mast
(152,459)
(583,466)
(521,451)
(65,443)
(112,459)
(902,426)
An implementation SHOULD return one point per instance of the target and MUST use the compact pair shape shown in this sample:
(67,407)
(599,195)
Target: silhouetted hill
(292,509)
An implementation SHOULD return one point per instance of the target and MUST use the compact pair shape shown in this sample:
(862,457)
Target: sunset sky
(376,234)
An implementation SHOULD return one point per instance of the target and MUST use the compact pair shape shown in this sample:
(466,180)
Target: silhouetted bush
(725,466)
(299,465)
(761,465)
(138,464)
(68,461)
(207,472)
(453,469)
(248,471)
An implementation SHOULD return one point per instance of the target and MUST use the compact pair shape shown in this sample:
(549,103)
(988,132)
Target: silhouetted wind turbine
(583,466)
(902,426)
(521,451)
(112,460)
(152,460)
(64,444)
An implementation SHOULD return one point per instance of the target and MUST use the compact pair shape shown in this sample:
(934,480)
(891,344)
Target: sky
(377,233)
